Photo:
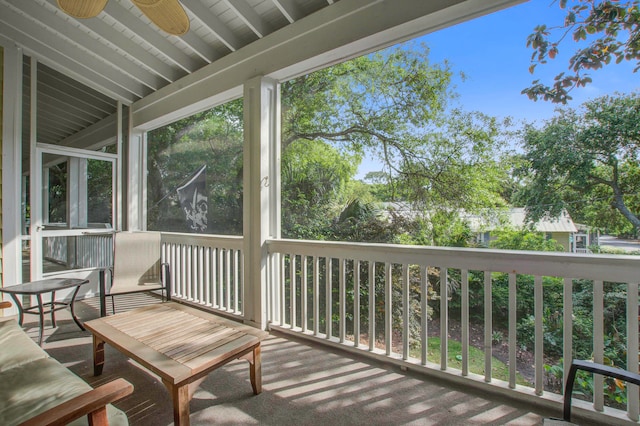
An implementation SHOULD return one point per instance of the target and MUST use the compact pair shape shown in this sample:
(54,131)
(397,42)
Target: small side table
(39,287)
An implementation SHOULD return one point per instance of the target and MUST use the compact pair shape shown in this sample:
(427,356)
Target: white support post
(35,172)
(23,206)
(11,167)
(77,198)
(136,182)
(261,200)
(633,393)
(117,202)
(46,186)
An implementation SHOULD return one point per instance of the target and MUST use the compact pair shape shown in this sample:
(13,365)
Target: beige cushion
(30,389)
(16,347)
(31,382)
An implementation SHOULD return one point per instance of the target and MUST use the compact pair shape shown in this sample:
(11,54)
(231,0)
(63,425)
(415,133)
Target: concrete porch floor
(304,383)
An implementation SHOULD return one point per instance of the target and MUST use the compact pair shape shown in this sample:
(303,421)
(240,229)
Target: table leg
(53,309)
(73,312)
(19,306)
(255,369)
(41,315)
(98,355)
(180,398)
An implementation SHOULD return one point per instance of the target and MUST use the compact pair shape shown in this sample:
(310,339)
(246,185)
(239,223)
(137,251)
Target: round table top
(44,286)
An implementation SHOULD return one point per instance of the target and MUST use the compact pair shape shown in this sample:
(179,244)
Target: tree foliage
(454,166)
(395,105)
(314,175)
(604,31)
(374,101)
(584,157)
(212,138)
(524,240)
(99,191)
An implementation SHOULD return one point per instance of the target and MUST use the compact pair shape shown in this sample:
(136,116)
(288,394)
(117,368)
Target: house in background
(586,237)
(573,237)
(562,229)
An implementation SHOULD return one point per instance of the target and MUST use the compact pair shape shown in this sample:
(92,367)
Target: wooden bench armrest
(92,403)
(5,305)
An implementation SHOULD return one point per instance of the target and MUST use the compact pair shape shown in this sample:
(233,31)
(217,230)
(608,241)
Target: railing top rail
(612,268)
(226,241)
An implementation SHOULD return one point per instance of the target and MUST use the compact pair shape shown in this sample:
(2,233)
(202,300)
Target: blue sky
(491,51)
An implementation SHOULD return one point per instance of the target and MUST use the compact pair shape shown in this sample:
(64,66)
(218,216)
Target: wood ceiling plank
(208,18)
(93,49)
(152,37)
(135,51)
(289,9)
(77,70)
(249,16)
(205,51)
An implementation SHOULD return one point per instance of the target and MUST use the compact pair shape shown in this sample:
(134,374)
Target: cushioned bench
(35,389)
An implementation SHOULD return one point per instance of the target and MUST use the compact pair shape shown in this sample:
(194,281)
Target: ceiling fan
(169,15)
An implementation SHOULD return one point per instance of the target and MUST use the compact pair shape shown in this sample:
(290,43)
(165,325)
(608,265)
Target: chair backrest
(136,262)
(592,367)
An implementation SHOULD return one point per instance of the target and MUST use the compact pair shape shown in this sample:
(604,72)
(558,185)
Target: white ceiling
(121,56)
(86,66)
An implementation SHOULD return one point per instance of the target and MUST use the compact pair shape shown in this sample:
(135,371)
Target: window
(194,181)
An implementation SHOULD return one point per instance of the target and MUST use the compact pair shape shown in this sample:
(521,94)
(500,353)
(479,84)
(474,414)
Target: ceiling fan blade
(82,8)
(169,15)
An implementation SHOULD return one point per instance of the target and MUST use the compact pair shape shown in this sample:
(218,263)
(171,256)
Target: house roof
(516,218)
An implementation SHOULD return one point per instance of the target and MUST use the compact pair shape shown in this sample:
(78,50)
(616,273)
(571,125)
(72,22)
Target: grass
(499,370)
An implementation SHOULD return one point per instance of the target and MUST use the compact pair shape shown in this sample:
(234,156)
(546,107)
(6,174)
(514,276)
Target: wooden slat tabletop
(173,340)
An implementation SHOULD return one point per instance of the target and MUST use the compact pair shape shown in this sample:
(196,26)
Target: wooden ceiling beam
(76,70)
(333,34)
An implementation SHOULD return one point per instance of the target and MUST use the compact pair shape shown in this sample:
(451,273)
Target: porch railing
(79,251)
(385,301)
(206,270)
(379,299)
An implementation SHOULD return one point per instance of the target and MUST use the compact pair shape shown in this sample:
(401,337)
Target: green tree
(99,191)
(375,101)
(524,240)
(451,170)
(395,105)
(604,31)
(175,151)
(583,158)
(314,176)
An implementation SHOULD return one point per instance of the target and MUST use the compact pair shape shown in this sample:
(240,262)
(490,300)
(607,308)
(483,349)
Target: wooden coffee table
(180,344)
